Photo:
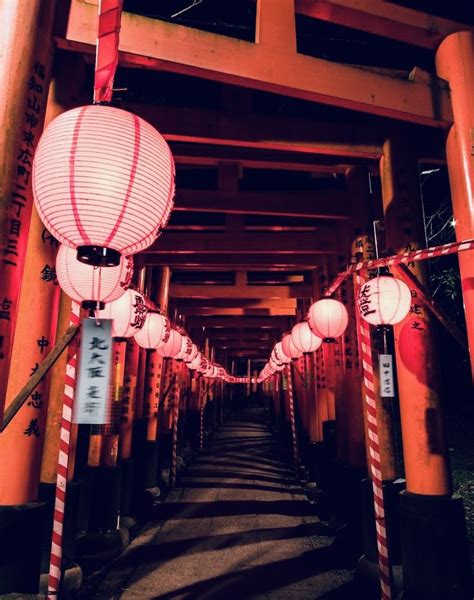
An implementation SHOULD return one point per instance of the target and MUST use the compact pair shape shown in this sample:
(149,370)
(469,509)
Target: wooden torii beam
(153,44)
(383,18)
(264,323)
(240,292)
(225,261)
(245,242)
(327,204)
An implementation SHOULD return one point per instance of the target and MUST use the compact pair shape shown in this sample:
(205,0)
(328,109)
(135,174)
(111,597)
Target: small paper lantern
(103,182)
(280,355)
(155,332)
(304,339)
(170,348)
(186,348)
(194,364)
(191,355)
(288,348)
(384,300)
(128,313)
(328,318)
(91,285)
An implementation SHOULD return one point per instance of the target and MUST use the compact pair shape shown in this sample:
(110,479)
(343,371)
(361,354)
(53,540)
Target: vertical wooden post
(455,63)
(26,53)
(276,25)
(424,447)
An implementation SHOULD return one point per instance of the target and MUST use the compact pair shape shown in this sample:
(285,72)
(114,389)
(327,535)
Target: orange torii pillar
(30,294)
(158,288)
(435,555)
(455,63)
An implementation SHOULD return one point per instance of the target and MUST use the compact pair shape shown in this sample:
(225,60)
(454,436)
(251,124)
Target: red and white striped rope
(174,448)
(291,405)
(404,257)
(374,455)
(54,578)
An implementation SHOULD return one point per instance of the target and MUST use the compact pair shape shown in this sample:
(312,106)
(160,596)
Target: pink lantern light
(93,286)
(304,339)
(189,357)
(103,182)
(328,318)
(172,347)
(155,332)
(280,356)
(195,363)
(128,313)
(289,349)
(384,300)
(186,348)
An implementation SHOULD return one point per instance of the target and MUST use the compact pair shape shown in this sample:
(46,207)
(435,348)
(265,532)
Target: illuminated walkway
(237,528)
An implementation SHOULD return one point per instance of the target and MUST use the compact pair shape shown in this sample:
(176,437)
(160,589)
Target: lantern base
(98,256)
(92,306)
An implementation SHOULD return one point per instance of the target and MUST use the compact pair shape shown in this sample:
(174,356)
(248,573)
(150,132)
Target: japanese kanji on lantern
(128,314)
(103,182)
(384,300)
(155,332)
(172,346)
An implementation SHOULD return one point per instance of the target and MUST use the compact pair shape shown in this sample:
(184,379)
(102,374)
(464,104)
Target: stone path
(238,527)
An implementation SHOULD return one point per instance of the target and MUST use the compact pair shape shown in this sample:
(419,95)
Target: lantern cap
(92,306)
(98,256)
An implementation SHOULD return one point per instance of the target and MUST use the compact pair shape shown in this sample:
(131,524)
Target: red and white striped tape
(374,455)
(291,405)
(54,578)
(404,258)
(110,13)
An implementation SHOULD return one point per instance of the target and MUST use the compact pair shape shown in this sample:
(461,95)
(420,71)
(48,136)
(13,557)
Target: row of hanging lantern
(103,185)
(383,300)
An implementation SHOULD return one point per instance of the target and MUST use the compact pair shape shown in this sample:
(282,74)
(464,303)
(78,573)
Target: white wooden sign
(387,387)
(92,397)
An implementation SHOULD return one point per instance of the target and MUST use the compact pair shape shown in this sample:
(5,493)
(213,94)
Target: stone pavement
(237,527)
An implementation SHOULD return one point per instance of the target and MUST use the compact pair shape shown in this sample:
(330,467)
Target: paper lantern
(155,332)
(103,182)
(195,363)
(128,313)
(289,348)
(384,300)
(328,318)
(172,347)
(281,357)
(185,349)
(192,354)
(304,339)
(92,285)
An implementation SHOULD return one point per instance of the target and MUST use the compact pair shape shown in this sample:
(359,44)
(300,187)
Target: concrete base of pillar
(21,530)
(435,548)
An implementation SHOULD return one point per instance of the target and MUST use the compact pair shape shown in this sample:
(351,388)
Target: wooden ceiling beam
(212,131)
(328,204)
(243,242)
(228,262)
(239,292)
(211,56)
(216,323)
(182,303)
(383,18)
(237,312)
